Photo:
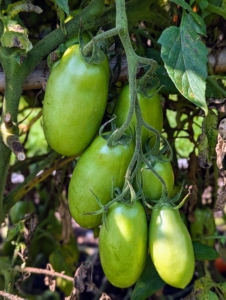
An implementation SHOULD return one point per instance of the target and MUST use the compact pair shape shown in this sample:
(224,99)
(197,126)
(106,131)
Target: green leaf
(204,252)
(185,59)
(200,24)
(212,296)
(63,4)
(14,231)
(222,287)
(148,283)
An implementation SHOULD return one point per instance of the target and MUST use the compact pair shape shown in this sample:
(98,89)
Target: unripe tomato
(99,170)
(151,111)
(152,186)
(74,103)
(204,225)
(123,244)
(171,247)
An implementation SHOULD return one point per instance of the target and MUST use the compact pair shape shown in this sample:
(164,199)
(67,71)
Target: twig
(43,271)
(10,296)
(32,180)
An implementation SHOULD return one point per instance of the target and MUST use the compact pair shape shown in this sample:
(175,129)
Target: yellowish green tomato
(74,102)
(99,170)
(171,247)
(151,111)
(123,243)
(152,186)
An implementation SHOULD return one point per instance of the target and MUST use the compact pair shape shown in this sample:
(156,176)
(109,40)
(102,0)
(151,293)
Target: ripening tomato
(203,226)
(151,185)
(99,169)
(171,247)
(74,103)
(151,111)
(123,243)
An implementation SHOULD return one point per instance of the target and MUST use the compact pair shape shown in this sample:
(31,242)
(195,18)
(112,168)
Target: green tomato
(99,170)
(151,185)
(204,225)
(20,209)
(171,247)
(123,243)
(151,111)
(74,103)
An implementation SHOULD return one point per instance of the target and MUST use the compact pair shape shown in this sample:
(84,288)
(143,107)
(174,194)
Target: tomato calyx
(125,139)
(94,55)
(165,200)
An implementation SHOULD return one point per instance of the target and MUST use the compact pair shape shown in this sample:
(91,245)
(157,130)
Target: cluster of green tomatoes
(74,106)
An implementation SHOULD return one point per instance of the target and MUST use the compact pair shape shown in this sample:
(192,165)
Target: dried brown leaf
(50,281)
(191,296)
(220,152)
(74,295)
(105,297)
(222,129)
(31,222)
(221,199)
(83,277)
(66,220)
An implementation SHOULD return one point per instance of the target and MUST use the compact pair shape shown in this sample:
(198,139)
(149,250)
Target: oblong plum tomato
(171,247)
(123,243)
(151,185)
(99,169)
(74,103)
(151,111)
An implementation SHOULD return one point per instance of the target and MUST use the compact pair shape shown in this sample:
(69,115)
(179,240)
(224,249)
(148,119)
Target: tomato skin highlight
(170,247)
(151,111)
(99,169)
(74,102)
(152,186)
(123,244)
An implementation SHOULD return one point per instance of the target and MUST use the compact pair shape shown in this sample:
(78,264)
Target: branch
(38,78)
(33,179)
(10,137)
(10,296)
(43,271)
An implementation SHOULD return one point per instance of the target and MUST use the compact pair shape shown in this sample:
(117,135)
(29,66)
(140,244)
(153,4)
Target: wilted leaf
(50,281)
(15,39)
(104,297)
(22,6)
(148,283)
(83,277)
(204,252)
(185,59)
(221,199)
(208,139)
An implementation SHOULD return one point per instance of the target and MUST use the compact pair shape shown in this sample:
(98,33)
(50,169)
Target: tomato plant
(150,107)
(203,225)
(99,170)
(123,243)
(170,247)
(70,115)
